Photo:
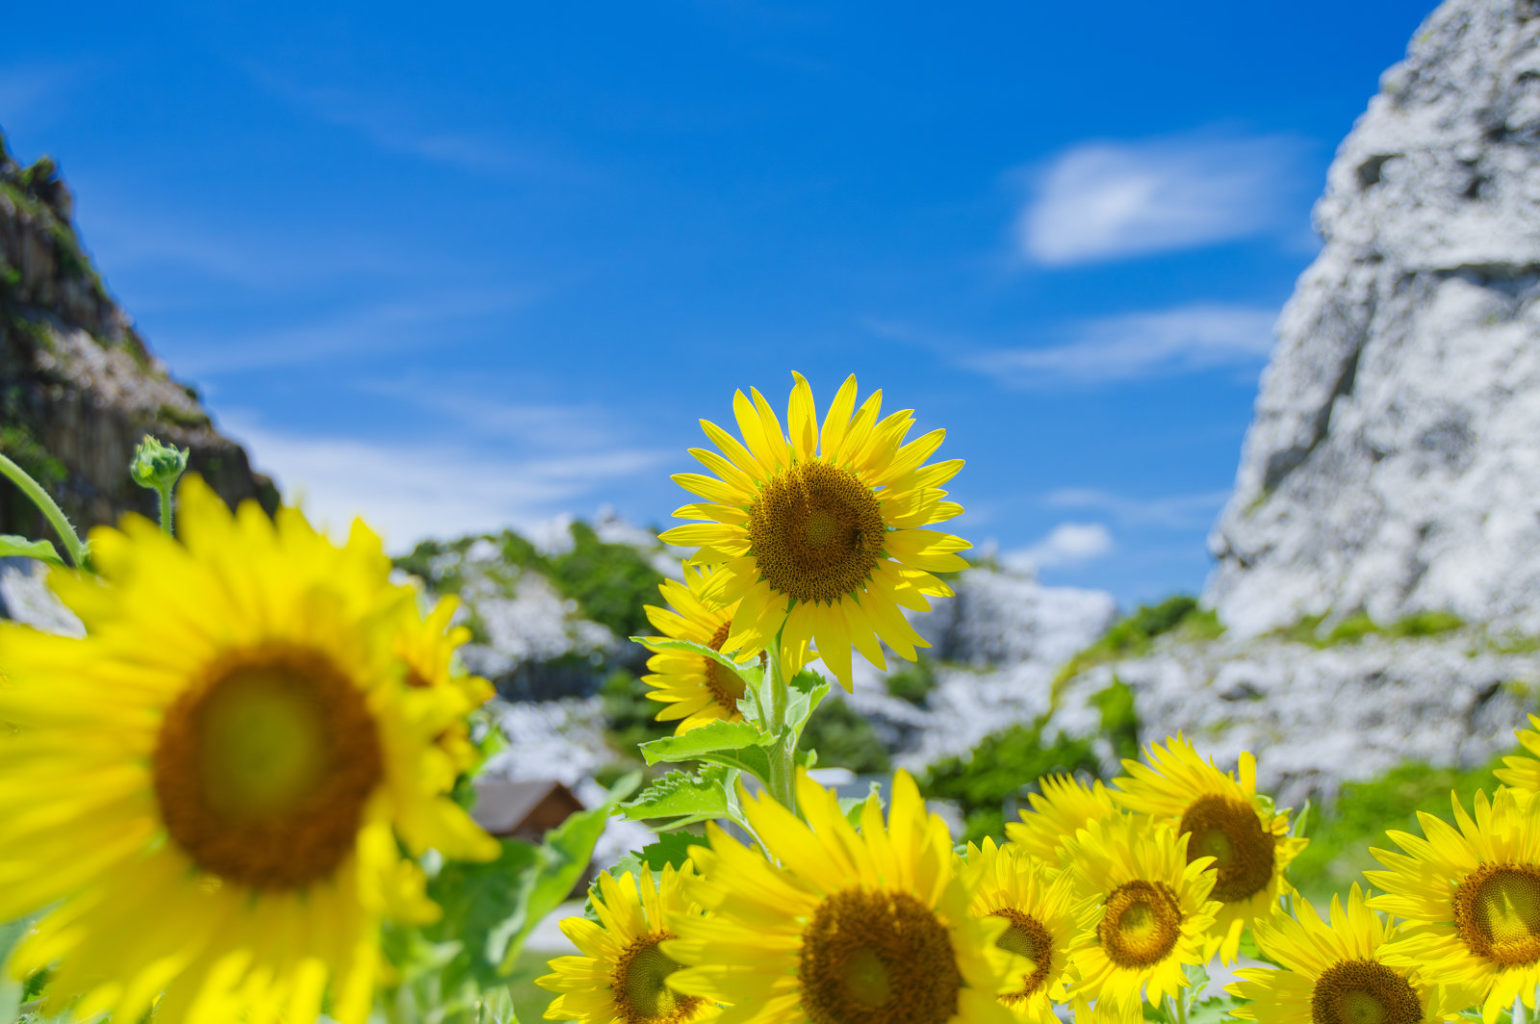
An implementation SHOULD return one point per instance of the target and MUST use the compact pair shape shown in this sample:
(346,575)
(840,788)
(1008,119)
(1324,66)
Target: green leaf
(671,849)
(851,806)
(805,691)
(42,550)
(749,670)
(1214,1010)
(477,900)
(684,796)
(564,856)
(717,738)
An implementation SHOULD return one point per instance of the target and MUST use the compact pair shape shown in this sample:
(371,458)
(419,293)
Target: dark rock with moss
(78,385)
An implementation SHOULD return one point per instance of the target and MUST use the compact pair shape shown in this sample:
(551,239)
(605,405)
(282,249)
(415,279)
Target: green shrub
(844,739)
(1132,635)
(1352,629)
(913,683)
(610,582)
(1426,624)
(1358,625)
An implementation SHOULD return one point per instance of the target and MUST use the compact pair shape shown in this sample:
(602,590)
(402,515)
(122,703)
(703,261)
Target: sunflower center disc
(816,532)
(875,957)
(1363,992)
(1026,937)
(1497,913)
(1229,831)
(263,768)
(726,686)
(1141,925)
(639,981)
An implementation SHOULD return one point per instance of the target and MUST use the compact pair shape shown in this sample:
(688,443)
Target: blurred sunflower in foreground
(821,531)
(211,790)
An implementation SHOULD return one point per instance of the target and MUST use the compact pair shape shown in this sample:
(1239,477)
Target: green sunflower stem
(783,755)
(50,509)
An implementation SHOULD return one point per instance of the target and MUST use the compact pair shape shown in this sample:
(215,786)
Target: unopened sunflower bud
(156,465)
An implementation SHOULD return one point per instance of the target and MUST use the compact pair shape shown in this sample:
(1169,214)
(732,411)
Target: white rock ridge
(1393,465)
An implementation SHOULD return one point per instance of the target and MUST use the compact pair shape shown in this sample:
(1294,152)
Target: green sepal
(750,670)
(684,797)
(42,550)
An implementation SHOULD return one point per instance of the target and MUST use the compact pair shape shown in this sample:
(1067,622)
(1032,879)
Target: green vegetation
(913,682)
(180,417)
(1005,764)
(1359,625)
(844,739)
(630,718)
(1340,836)
(1132,636)
(18,441)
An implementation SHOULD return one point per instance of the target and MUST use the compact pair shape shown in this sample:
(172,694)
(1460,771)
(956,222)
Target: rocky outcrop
(78,385)
(1392,466)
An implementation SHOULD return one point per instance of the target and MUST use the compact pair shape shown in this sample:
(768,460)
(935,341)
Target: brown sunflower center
(1141,924)
(639,981)
(1363,992)
(1497,912)
(816,532)
(1026,937)
(1229,831)
(262,769)
(726,686)
(877,958)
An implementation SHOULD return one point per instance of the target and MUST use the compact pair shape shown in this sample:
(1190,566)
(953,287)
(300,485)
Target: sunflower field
(242,796)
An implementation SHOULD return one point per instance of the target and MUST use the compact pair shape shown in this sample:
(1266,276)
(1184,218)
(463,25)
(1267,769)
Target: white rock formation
(1393,464)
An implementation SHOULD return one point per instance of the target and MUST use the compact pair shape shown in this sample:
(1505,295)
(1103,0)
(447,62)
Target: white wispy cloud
(1175,511)
(395,128)
(1113,200)
(412,491)
(1134,346)
(1066,544)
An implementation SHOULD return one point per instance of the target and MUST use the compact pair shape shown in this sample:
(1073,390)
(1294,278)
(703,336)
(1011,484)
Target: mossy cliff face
(78,385)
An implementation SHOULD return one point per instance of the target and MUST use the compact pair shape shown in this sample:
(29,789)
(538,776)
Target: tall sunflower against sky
(841,927)
(210,790)
(822,531)
(1470,897)
(1226,819)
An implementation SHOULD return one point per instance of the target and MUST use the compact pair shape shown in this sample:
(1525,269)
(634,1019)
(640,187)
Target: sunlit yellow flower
(426,644)
(1334,974)
(1226,820)
(851,928)
(823,532)
(1065,806)
(696,689)
(209,791)
(1470,897)
(1044,923)
(1523,772)
(1155,913)
(621,976)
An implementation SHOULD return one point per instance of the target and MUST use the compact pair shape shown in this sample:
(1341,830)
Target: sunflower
(621,978)
(1471,898)
(1044,923)
(696,689)
(1155,914)
(854,928)
(1065,806)
(822,533)
(1524,772)
(210,789)
(1336,973)
(1226,820)
(426,645)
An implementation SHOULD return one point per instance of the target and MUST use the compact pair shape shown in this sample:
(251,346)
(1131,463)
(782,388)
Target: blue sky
(460,271)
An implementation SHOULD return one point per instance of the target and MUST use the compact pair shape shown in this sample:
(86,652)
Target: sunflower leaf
(749,670)
(42,550)
(684,797)
(720,741)
(671,850)
(804,693)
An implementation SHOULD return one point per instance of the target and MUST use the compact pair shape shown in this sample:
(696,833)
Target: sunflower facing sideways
(851,928)
(697,690)
(1469,894)
(1334,973)
(209,791)
(1226,820)
(621,976)
(1064,806)
(822,532)
(1155,915)
(1044,923)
